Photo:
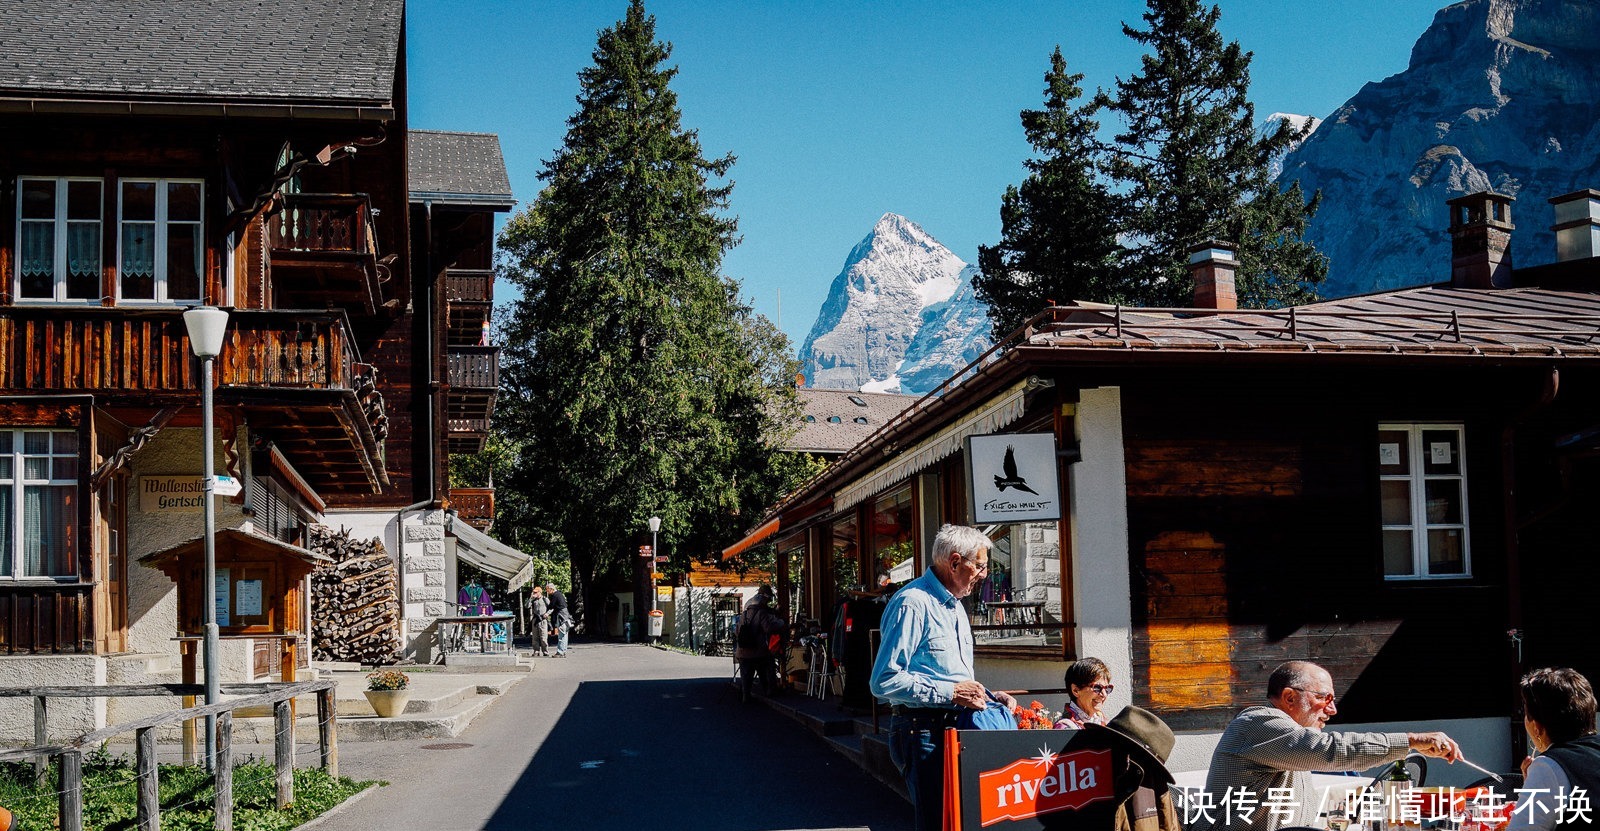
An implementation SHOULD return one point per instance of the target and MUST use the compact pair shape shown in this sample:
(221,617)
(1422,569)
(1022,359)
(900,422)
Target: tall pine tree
(636,383)
(1058,233)
(1193,167)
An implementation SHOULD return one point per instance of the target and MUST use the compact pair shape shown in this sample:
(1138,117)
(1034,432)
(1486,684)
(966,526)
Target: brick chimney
(1211,264)
(1577,225)
(1480,240)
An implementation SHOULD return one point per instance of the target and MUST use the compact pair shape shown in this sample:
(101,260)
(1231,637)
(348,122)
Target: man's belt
(925,713)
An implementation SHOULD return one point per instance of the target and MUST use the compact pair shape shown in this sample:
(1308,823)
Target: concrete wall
(68,717)
(425,571)
(1100,587)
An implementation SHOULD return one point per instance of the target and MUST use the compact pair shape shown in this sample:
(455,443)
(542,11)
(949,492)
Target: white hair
(959,539)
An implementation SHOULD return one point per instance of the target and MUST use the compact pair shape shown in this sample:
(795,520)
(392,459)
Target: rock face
(953,334)
(876,306)
(1500,94)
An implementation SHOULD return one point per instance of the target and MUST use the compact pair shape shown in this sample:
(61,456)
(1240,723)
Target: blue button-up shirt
(926,648)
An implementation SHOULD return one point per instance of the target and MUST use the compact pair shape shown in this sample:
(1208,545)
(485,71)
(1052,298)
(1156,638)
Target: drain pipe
(1508,459)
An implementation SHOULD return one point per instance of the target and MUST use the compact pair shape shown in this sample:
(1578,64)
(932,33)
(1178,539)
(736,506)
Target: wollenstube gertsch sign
(1012,478)
(175,494)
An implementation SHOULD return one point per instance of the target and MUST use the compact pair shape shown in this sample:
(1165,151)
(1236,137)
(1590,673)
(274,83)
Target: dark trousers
(916,746)
(750,667)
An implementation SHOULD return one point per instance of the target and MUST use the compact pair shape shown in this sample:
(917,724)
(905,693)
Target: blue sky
(841,111)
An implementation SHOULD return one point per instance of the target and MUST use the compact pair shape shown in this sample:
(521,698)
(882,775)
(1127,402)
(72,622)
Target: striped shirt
(1264,749)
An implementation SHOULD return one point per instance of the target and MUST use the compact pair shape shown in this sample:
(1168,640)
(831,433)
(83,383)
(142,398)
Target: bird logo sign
(1013,477)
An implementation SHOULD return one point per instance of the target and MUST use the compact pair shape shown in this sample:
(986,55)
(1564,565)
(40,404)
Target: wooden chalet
(1394,485)
(254,157)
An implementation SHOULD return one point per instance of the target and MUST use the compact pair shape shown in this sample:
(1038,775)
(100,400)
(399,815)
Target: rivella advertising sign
(1012,477)
(1035,779)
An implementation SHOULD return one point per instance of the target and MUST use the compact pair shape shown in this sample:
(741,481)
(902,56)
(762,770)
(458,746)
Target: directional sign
(661,558)
(645,551)
(656,575)
(227,486)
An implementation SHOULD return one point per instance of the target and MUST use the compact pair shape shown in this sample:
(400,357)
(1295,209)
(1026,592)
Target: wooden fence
(69,781)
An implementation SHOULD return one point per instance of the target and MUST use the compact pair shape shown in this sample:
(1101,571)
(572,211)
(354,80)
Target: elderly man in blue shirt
(924,666)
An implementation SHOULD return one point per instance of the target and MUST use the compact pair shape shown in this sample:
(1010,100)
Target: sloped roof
(239,50)
(1430,320)
(459,167)
(833,421)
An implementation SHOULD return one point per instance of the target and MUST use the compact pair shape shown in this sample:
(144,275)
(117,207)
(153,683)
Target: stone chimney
(1480,240)
(1577,225)
(1211,264)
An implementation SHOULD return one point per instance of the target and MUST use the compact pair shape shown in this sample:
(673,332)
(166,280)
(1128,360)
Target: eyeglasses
(1103,689)
(1322,698)
(979,567)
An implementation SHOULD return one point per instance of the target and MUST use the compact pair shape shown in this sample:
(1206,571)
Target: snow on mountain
(953,334)
(875,307)
(1297,122)
(1499,94)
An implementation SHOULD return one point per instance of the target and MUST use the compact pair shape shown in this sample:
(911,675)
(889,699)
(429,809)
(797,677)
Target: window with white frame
(38,502)
(160,251)
(1423,493)
(58,239)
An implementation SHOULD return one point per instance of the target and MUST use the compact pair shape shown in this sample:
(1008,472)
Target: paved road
(619,737)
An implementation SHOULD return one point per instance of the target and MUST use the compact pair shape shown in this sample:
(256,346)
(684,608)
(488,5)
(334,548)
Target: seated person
(1559,706)
(1089,679)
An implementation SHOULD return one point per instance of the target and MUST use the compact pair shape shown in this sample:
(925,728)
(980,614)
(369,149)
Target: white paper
(1389,453)
(224,584)
(1439,452)
(248,600)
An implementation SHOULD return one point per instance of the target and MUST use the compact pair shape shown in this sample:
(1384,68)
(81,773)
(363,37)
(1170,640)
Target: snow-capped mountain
(876,307)
(1499,94)
(1296,122)
(953,334)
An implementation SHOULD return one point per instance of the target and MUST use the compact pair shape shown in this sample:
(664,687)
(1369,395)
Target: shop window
(1422,473)
(893,538)
(1018,602)
(160,250)
(846,555)
(58,239)
(38,503)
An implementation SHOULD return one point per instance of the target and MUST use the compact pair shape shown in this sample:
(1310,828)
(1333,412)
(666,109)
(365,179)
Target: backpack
(749,635)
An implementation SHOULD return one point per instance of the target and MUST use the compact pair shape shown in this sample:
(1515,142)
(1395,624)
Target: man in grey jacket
(1260,773)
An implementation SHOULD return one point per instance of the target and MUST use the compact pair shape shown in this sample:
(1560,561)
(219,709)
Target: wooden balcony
(474,505)
(466,436)
(471,298)
(474,383)
(295,375)
(324,252)
(474,367)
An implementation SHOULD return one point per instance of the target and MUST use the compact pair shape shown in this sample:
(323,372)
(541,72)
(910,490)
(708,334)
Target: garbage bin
(655,622)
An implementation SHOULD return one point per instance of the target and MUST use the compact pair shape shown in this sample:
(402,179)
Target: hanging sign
(1011,477)
(227,486)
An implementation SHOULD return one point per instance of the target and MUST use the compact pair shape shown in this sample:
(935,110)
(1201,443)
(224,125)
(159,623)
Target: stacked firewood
(354,601)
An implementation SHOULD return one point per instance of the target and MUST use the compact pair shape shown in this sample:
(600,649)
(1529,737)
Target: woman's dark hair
(1086,671)
(1561,700)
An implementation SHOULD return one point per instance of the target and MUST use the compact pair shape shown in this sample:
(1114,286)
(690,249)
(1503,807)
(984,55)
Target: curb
(360,795)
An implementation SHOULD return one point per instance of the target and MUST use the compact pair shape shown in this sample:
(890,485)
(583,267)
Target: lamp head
(208,327)
(655,524)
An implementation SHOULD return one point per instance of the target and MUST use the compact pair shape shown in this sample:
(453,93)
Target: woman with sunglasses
(1089,680)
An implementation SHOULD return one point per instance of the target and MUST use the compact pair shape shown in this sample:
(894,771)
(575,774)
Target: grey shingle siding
(462,164)
(234,50)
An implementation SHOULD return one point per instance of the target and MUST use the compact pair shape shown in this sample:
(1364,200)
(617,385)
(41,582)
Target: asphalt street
(622,737)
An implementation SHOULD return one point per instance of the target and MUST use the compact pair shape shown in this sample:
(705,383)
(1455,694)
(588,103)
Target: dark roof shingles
(469,164)
(235,50)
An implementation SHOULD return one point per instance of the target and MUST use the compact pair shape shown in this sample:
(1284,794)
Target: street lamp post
(655,526)
(208,326)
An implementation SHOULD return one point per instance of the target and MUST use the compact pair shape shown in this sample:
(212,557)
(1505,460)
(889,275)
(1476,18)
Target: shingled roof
(459,167)
(231,50)
(833,421)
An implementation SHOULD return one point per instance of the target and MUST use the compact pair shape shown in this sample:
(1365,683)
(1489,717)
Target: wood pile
(355,604)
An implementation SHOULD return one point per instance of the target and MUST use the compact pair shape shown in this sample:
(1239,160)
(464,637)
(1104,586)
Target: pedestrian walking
(560,618)
(541,621)
(757,638)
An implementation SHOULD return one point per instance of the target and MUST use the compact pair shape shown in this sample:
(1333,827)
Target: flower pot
(388,703)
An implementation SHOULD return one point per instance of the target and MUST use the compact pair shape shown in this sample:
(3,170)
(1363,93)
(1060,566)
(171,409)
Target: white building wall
(426,571)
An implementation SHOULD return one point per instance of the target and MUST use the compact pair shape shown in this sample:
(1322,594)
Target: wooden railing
(38,618)
(475,505)
(475,367)
(469,425)
(471,285)
(69,783)
(120,350)
(336,223)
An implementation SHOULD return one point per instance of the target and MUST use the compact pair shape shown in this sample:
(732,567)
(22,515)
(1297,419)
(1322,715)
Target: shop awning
(752,539)
(989,418)
(489,554)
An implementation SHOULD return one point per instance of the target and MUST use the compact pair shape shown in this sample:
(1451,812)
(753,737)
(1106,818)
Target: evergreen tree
(1192,167)
(1058,229)
(636,384)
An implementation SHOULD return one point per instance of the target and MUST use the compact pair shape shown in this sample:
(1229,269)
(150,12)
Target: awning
(997,413)
(752,539)
(489,554)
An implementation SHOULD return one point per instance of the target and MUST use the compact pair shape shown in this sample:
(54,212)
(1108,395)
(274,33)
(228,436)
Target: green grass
(110,796)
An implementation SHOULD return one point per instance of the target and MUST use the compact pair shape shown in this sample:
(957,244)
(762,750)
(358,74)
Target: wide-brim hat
(1149,739)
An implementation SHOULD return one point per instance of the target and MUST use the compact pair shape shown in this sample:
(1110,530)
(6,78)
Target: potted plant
(387,693)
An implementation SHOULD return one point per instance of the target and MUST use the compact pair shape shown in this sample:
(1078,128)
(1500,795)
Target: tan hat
(1150,738)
